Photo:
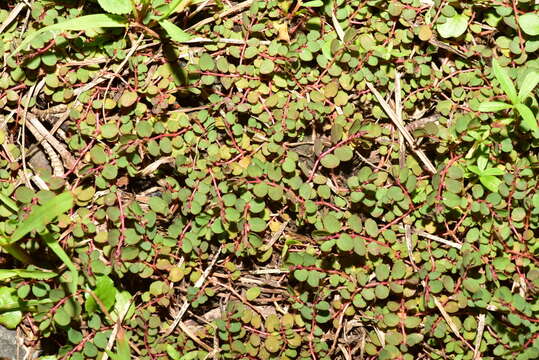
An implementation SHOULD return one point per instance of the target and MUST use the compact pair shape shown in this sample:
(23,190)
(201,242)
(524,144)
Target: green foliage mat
(270,179)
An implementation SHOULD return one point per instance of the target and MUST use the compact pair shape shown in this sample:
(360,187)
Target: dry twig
(405,133)
(450,322)
(186,304)
(479,336)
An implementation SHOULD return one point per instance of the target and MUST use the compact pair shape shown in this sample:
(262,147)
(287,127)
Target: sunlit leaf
(81,23)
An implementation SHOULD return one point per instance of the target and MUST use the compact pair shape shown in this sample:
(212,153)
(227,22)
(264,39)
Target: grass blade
(57,249)
(529,83)
(27,274)
(175,33)
(43,215)
(505,81)
(16,251)
(493,106)
(9,203)
(175,4)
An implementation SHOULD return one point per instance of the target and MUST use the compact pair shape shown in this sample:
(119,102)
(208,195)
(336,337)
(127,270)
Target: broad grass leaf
(505,81)
(175,33)
(475,169)
(529,23)
(454,26)
(43,215)
(493,106)
(529,122)
(482,163)
(490,182)
(338,27)
(77,24)
(529,83)
(15,250)
(59,251)
(9,203)
(27,274)
(116,6)
(493,171)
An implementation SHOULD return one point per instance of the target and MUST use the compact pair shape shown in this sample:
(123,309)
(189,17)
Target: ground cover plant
(207,179)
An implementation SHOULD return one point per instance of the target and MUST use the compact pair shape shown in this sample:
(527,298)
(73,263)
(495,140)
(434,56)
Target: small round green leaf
(453,27)
(331,223)
(344,153)
(128,98)
(330,161)
(252,293)
(206,62)
(61,317)
(109,130)
(345,242)
(529,23)
(267,67)
(301,274)
(257,224)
